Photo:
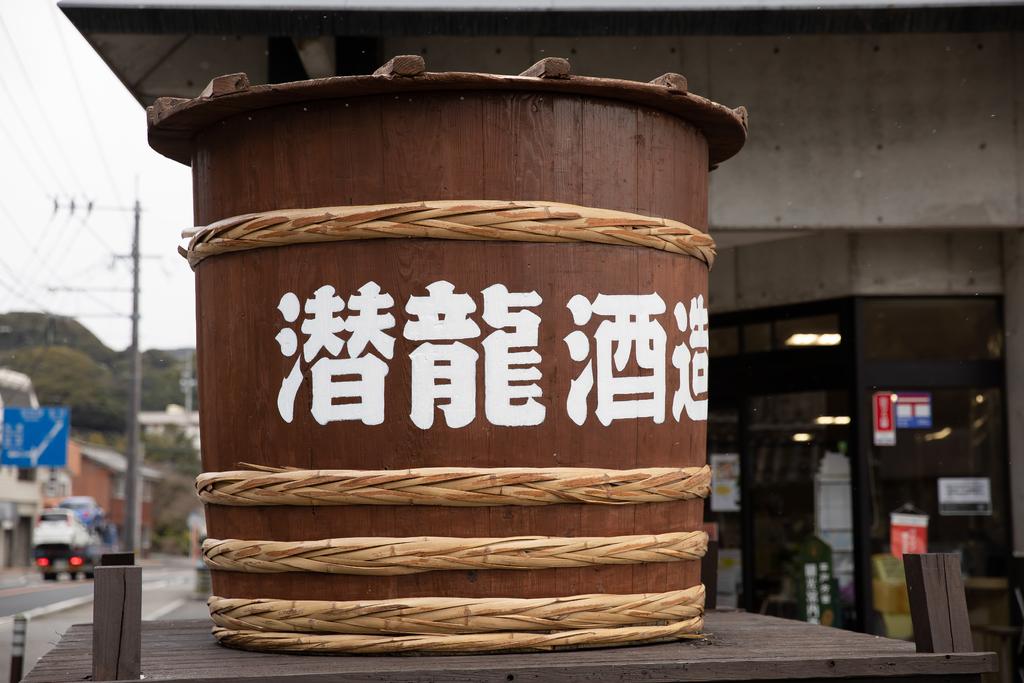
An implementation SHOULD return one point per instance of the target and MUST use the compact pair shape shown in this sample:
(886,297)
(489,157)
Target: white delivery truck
(62,543)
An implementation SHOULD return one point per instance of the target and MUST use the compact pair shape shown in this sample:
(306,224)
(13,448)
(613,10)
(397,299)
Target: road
(168,592)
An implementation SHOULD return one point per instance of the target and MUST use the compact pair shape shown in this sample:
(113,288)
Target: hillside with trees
(69,365)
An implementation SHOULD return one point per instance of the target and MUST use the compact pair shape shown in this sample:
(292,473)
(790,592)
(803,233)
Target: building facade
(869,242)
(20,496)
(99,472)
(173,418)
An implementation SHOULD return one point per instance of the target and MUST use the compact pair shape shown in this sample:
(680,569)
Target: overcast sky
(69,130)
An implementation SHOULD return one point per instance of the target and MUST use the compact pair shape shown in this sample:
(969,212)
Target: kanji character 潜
(364,373)
(289,343)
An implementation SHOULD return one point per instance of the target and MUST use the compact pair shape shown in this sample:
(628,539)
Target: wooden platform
(740,647)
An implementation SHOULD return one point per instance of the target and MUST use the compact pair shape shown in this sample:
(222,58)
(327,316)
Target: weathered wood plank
(740,647)
(938,605)
(117,619)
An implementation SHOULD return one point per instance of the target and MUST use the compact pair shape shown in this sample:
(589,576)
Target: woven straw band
(418,616)
(393,556)
(519,221)
(452,486)
(470,643)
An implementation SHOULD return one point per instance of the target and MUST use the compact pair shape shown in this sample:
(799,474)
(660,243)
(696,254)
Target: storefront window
(955,329)
(951,470)
(785,418)
(757,337)
(800,492)
(819,330)
(792,333)
(724,504)
(725,341)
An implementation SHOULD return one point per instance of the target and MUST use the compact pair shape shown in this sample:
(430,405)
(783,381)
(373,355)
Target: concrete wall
(846,131)
(826,264)
(857,143)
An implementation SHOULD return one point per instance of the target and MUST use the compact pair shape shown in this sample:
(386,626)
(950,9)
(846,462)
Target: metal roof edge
(242,20)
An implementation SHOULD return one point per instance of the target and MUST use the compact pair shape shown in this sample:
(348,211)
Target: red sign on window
(883,419)
(908,534)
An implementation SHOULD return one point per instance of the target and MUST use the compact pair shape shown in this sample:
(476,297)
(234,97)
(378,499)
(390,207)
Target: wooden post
(938,605)
(18,648)
(117,619)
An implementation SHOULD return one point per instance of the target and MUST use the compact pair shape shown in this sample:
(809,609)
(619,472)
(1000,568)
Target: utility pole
(187,384)
(132,537)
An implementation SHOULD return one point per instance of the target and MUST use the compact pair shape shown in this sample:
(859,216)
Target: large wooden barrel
(450,271)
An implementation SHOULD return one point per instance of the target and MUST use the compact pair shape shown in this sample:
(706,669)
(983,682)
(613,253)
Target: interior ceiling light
(832,420)
(814,339)
(801,437)
(936,436)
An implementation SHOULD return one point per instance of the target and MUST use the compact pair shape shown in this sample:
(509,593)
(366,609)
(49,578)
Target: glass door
(801,507)
(949,470)
(724,506)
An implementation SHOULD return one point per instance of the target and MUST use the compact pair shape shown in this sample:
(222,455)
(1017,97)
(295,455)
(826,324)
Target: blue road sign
(35,437)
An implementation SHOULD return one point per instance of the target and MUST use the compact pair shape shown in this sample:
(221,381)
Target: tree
(68,364)
(20,330)
(66,376)
(172,448)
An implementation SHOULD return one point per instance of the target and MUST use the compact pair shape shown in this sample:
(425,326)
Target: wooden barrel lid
(174,121)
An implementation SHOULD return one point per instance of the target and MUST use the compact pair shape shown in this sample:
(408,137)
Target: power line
(50,273)
(35,258)
(16,228)
(85,104)
(96,235)
(30,136)
(25,164)
(39,104)
(87,226)
(21,233)
(36,261)
(109,263)
(112,290)
(18,291)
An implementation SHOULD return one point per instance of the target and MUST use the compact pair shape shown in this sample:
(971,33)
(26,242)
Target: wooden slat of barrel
(440,146)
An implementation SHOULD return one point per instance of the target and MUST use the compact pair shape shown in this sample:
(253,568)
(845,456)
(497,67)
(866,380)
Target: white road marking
(71,603)
(165,610)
